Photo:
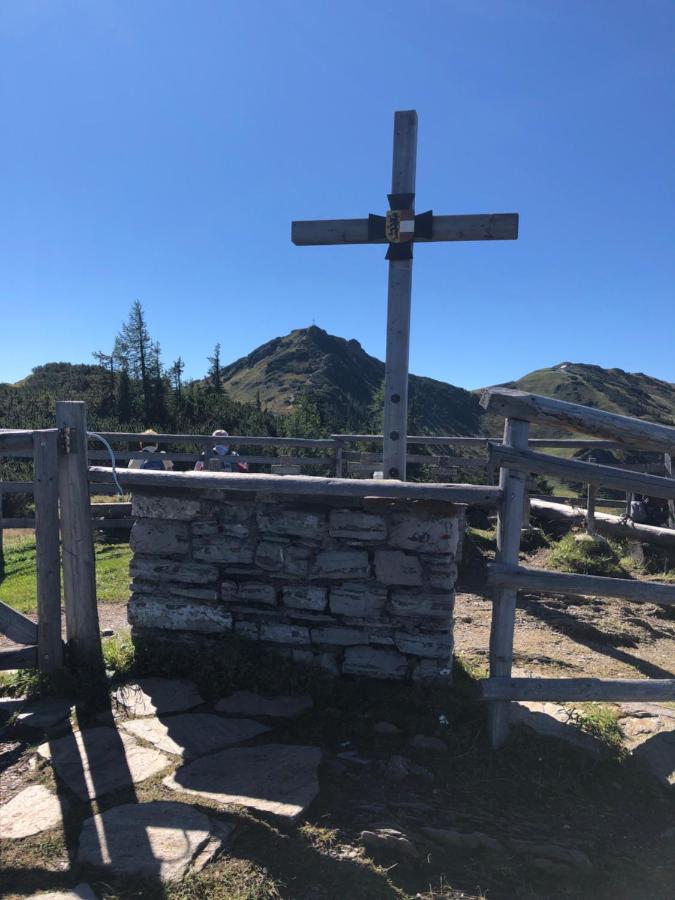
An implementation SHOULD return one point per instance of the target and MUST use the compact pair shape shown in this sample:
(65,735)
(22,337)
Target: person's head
(220,445)
(149,445)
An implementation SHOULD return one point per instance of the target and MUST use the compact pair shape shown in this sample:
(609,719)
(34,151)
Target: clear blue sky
(159,151)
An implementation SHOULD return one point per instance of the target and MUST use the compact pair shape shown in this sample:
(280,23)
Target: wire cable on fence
(99,437)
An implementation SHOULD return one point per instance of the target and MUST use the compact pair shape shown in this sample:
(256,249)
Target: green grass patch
(575,553)
(18,586)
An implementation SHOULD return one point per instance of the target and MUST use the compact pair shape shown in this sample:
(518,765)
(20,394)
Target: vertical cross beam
(398,309)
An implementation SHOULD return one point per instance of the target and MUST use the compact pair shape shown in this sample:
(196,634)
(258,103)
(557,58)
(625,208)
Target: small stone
(354,525)
(421,604)
(193,734)
(315,598)
(269,556)
(163,570)
(107,632)
(426,742)
(157,696)
(82,891)
(246,703)
(568,856)
(386,728)
(374,663)
(341,564)
(223,548)
(47,712)
(397,567)
(275,778)
(337,635)
(210,594)
(160,839)
(358,600)
(32,810)
(177,614)
(162,507)
(284,634)
(158,537)
(290,522)
(247,630)
(437,535)
(435,646)
(97,761)
(390,841)
(257,592)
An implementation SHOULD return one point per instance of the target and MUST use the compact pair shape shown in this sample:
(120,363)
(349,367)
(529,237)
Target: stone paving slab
(193,734)
(162,838)
(32,810)
(80,892)
(246,703)
(275,778)
(97,761)
(46,712)
(157,696)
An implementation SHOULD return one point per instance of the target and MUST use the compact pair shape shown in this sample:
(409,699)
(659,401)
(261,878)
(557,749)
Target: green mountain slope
(343,378)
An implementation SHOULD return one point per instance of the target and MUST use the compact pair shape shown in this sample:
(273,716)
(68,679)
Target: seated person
(220,458)
(154,456)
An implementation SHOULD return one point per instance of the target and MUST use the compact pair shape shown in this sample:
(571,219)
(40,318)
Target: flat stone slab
(193,734)
(162,839)
(275,778)
(100,760)
(45,712)
(32,810)
(157,696)
(80,892)
(553,720)
(246,703)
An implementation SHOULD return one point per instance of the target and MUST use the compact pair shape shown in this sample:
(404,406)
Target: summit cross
(400,229)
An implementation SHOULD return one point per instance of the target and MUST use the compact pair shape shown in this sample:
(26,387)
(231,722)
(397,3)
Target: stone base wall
(358,587)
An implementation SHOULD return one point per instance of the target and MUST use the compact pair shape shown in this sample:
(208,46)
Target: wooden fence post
(47,554)
(590,505)
(77,536)
(509,524)
(339,463)
(2,543)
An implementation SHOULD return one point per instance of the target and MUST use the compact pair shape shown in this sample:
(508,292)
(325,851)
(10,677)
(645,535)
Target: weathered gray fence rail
(507,577)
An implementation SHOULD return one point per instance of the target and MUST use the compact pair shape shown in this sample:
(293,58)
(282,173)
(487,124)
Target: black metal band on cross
(400,227)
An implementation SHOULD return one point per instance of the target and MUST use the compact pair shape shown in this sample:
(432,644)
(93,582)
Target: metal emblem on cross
(401,228)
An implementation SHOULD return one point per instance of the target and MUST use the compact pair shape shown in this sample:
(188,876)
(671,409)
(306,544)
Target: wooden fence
(507,577)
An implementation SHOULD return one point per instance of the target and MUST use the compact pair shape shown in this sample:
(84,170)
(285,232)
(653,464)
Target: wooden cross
(400,228)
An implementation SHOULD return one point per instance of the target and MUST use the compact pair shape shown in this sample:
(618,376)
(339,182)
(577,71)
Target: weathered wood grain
(481,227)
(622,429)
(605,524)
(565,689)
(16,626)
(47,549)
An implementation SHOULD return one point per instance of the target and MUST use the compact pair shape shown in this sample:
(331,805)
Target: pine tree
(214,374)
(135,342)
(176,370)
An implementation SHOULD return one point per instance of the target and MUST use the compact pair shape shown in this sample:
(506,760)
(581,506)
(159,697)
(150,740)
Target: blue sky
(159,151)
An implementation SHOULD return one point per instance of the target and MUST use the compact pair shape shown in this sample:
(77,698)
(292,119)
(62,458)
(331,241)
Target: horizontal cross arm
(488,227)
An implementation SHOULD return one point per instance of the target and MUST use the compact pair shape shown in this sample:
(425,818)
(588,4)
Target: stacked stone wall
(356,586)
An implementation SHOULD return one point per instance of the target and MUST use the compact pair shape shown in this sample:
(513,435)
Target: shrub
(587,556)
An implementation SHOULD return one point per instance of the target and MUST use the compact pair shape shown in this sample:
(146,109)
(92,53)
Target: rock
(32,810)
(157,696)
(160,839)
(163,570)
(46,712)
(358,526)
(315,598)
(291,522)
(337,635)
(397,567)
(374,663)
(160,537)
(435,646)
(426,742)
(177,614)
(210,594)
(386,728)
(284,634)
(390,841)
(96,761)
(397,768)
(107,632)
(473,840)
(274,778)
(155,506)
(82,891)
(193,734)
(437,535)
(341,564)
(223,548)
(359,600)
(245,703)
(657,754)
(552,720)
(270,556)
(421,604)
(257,592)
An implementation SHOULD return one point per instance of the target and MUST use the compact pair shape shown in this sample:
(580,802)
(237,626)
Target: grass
(587,556)
(18,586)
